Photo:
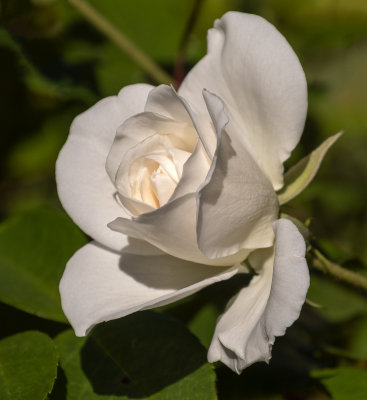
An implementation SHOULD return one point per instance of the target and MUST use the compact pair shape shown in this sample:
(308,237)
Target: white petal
(140,163)
(171,228)
(236,203)
(253,69)
(132,165)
(203,126)
(179,157)
(163,187)
(246,331)
(100,285)
(165,114)
(163,157)
(290,279)
(193,173)
(164,101)
(84,187)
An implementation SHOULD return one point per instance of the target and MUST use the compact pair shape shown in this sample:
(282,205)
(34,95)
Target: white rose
(177,189)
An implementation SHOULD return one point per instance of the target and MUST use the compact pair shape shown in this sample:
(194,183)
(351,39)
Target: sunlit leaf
(202,325)
(338,303)
(156,28)
(28,366)
(34,249)
(344,383)
(301,174)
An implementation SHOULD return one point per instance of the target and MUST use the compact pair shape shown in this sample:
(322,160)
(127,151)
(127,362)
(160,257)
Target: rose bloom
(178,189)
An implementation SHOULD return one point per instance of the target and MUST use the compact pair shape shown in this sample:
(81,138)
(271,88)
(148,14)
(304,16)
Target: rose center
(153,176)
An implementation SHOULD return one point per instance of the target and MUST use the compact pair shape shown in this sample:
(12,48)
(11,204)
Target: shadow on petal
(219,170)
(164,271)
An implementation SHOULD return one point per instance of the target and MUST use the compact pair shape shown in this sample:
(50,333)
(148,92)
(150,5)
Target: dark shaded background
(54,65)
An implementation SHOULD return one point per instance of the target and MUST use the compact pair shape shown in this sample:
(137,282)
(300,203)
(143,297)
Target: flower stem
(122,41)
(179,70)
(321,263)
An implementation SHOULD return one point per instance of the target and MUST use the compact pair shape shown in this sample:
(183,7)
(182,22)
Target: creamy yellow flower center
(151,170)
(154,176)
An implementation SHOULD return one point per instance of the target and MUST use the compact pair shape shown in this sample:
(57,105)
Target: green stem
(122,41)
(346,354)
(321,263)
(179,70)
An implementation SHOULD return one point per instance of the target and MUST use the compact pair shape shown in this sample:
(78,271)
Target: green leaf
(358,338)
(34,249)
(155,27)
(40,84)
(338,303)
(111,63)
(344,383)
(202,325)
(300,175)
(9,9)
(144,355)
(37,154)
(28,366)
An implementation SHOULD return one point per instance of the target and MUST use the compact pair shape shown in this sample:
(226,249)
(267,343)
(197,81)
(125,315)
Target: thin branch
(321,263)
(122,41)
(361,361)
(179,70)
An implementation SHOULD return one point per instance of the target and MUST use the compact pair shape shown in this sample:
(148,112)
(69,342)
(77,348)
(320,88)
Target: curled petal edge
(100,285)
(246,331)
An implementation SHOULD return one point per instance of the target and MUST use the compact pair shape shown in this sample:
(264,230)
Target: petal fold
(100,285)
(246,331)
(171,228)
(236,203)
(251,66)
(84,188)
(164,113)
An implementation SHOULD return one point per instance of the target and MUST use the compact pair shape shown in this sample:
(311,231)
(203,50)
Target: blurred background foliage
(55,64)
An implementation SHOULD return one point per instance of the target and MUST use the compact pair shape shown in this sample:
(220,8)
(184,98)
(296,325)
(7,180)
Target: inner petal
(165,161)
(163,186)
(140,184)
(149,173)
(179,157)
(153,176)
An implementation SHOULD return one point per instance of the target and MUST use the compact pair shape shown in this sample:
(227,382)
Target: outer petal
(253,69)
(171,228)
(246,331)
(84,188)
(100,285)
(236,203)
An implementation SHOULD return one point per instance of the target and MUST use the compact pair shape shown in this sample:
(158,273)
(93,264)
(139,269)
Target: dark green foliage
(54,65)
(34,249)
(145,355)
(28,364)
